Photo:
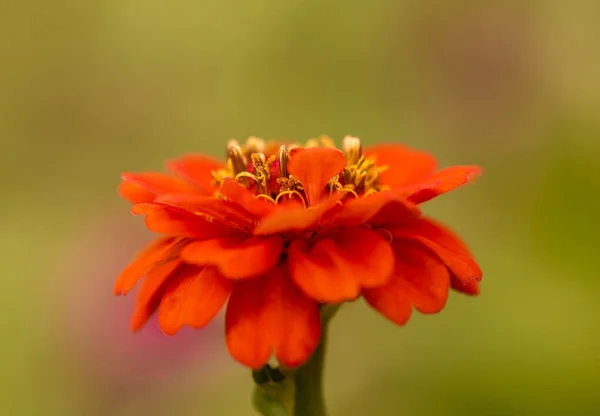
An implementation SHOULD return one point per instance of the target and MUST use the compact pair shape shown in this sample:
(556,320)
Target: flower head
(281,229)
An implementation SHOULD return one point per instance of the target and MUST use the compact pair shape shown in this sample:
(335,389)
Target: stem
(309,400)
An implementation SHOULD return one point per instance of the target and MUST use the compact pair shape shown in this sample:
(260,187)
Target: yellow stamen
(290,193)
(352,149)
(248,164)
(236,157)
(267,197)
(351,191)
(253,145)
(283,161)
(311,143)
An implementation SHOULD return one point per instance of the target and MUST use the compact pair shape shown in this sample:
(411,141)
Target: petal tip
(169,331)
(119,291)
(125,176)
(137,323)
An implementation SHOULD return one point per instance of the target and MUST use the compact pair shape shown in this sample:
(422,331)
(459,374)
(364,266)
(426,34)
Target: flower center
(262,168)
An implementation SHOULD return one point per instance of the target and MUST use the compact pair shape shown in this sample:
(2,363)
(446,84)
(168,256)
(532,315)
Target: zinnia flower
(280,230)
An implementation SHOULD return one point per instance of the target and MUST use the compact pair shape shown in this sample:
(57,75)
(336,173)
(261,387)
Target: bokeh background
(91,89)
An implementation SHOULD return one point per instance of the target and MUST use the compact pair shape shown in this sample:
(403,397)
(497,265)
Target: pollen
(261,167)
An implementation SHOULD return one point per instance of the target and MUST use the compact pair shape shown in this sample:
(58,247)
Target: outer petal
(192,298)
(134,193)
(405,166)
(270,315)
(469,288)
(445,244)
(336,267)
(197,170)
(443,181)
(151,291)
(238,194)
(420,279)
(296,217)
(225,211)
(236,258)
(394,213)
(158,183)
(177,222)
(362,210)
(155,253)
(314,167)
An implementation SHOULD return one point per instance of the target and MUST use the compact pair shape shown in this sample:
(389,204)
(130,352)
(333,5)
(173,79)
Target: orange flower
(278,231)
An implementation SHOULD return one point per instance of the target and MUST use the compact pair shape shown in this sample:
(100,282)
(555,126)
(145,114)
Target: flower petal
(294,217)
(238,194)
(225,211)
(151,291)
(157,183)
(420,279)
(177,222)
(471,287)
(405,166)
(444,243)
(443,181)
(314,167)
(236,258)
(193,298)
(395,212)
(155,253)
(270,315)
(300,324)
(134,193)
(335,267)
(359,211)
(196,169)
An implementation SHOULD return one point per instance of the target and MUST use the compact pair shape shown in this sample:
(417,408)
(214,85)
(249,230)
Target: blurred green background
(91,89)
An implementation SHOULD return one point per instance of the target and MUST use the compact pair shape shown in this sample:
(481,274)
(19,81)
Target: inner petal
(314,168)
(336,266)
(236,258)
(270,315)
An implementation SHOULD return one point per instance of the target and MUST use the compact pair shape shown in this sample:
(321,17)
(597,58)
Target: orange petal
(155,253)
(405,166)
(192,298)
(420,279)
(294,217)
(177,222)
(396,211)
(359,211)
(270,315)
(334,268)
(314,168)
(471,287)
(300,321)
(196,169)
(236,258)
(444,243)
(245,199)
(157,183)
(134,193)
(443,181)
(153,287)
(225,211)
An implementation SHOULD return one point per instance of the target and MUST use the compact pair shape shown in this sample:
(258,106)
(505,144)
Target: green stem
(308,380)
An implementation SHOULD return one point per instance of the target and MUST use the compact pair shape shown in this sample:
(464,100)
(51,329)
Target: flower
(281,229)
